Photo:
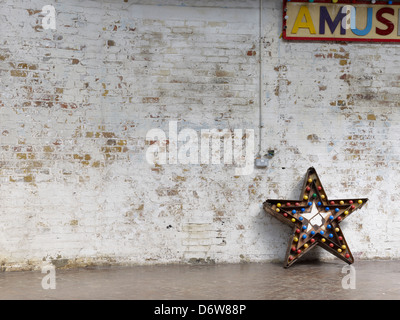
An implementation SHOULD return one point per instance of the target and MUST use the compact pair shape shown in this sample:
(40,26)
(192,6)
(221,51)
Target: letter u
(353,26)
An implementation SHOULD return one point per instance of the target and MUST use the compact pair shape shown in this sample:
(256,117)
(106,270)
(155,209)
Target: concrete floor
(304,280)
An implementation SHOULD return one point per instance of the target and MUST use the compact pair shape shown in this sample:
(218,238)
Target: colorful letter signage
(345,20)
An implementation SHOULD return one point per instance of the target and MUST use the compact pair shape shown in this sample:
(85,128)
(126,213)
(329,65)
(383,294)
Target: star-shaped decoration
(315,220)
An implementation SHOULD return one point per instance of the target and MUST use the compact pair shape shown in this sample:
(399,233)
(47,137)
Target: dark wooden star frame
(307,235)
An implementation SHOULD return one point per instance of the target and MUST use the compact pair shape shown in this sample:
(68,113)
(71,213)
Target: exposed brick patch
(151,100)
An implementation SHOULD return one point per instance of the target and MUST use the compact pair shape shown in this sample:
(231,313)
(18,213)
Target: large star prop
(315,220)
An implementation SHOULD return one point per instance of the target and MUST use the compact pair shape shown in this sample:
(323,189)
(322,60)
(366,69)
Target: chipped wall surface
(76,103)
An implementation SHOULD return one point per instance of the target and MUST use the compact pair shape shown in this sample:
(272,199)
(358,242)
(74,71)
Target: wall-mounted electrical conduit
(261,161)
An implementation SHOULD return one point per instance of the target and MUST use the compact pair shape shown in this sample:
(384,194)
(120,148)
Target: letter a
(49,21)
(49,280)
(156,153)
(349,281)
(308,24)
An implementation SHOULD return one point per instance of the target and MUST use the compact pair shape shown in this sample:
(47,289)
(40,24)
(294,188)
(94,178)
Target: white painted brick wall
(76,104)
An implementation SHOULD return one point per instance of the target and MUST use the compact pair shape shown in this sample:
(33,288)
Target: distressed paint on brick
(76,104)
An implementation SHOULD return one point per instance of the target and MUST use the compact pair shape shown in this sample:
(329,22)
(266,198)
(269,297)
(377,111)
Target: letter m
(324,17)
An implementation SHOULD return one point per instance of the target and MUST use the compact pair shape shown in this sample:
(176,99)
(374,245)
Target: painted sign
(349,20)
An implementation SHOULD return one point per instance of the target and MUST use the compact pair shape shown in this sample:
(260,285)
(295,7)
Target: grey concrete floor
(252,281)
